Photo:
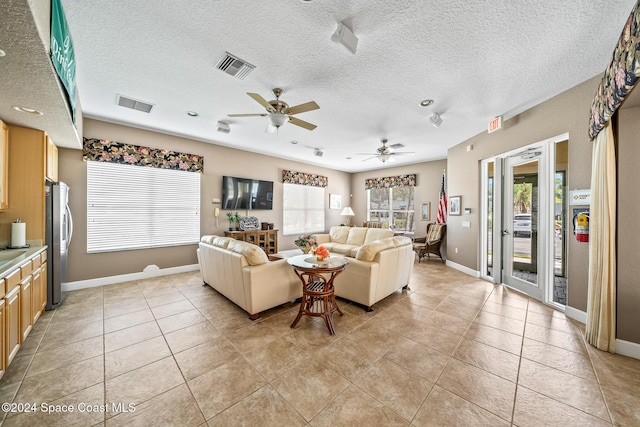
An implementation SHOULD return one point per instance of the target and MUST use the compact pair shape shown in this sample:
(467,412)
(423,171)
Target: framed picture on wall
(455,203)
(335,201)
(426,211)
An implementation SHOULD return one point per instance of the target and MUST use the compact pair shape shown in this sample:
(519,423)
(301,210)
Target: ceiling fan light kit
(385,154)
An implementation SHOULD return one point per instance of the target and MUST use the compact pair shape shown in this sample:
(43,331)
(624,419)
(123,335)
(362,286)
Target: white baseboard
(628,348)
(575,314)
(149,271)
(463,269)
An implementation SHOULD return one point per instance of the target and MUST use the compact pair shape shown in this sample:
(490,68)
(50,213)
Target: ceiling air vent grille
(396,146)
(123,101)
(234,66)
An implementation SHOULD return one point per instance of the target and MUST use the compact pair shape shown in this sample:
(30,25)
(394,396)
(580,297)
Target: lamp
(348,212)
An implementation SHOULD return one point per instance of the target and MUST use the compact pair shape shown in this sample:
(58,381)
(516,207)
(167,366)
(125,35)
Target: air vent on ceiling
(123,101)
(396,146)
(234,66)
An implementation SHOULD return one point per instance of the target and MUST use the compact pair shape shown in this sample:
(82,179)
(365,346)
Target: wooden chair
(431,243)
(372,224)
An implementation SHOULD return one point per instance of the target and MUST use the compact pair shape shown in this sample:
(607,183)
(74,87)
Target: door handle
(505,232)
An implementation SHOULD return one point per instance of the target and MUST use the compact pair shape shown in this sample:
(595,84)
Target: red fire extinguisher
(581,226)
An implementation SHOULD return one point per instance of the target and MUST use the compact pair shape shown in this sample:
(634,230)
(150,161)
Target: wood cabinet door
(36,297)
(3,348)
(26,319)
(52,161)
(43,287)
(4,167)
(12,324)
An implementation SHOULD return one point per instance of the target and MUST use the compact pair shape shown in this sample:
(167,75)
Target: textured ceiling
(474,61)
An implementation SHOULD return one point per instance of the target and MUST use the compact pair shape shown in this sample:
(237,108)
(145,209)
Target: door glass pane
(525,220)
(489,224)
(560,224)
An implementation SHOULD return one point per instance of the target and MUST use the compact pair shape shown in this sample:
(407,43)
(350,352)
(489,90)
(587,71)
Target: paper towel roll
(18,234)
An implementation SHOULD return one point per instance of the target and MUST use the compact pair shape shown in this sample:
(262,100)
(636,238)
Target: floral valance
(302,178)
(391,181)
(102,150)
(620,76)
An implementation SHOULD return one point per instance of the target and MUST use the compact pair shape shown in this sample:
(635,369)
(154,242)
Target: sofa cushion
(401,241)
(207,239)
(341,248)
(368,252)
(339,234)
(356,236)
(221,242)
(374,234)
(253,254)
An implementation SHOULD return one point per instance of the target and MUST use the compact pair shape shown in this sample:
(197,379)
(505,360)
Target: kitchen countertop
(15,263)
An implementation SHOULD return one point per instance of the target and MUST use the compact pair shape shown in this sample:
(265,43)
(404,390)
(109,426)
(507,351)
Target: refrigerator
(58,230)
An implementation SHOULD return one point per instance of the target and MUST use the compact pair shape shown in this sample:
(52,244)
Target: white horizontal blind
(302,209)
(135,207)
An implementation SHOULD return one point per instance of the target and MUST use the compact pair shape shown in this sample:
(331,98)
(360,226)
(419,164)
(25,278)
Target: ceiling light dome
(277,119)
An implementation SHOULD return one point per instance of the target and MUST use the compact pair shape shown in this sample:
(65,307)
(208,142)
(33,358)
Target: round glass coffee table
(318,296)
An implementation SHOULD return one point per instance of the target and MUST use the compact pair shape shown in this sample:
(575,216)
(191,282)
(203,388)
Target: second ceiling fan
(279,112)
(384,153)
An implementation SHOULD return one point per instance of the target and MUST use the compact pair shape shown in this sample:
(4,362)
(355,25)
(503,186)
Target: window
(134,207)
(393,207)
(302,209)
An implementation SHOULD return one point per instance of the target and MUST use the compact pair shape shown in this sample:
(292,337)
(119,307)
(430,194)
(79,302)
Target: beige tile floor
(453,350)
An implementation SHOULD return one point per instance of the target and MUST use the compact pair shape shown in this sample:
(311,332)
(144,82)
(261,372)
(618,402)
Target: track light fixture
(435,120)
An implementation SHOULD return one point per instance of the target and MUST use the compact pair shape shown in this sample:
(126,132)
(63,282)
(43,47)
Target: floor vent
(123,101)
(234,66)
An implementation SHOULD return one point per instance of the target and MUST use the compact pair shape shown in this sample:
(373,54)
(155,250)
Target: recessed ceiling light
(192,113)
(27,110)
(294,142)
(426,102)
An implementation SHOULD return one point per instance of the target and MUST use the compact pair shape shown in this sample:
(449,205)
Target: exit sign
(495,124)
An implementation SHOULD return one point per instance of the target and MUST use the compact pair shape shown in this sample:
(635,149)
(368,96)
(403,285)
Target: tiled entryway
(453,350)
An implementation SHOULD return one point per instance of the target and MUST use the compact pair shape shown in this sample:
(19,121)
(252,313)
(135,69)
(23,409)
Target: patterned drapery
(620,76)
(102,150)
(391,181)
(302,178)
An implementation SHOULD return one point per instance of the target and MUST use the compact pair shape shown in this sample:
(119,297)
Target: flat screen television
(246,193)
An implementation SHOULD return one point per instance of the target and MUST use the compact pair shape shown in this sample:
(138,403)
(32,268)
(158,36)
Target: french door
(521,207)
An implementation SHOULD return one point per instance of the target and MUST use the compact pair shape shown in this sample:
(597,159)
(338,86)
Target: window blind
(135,207)
(302,209)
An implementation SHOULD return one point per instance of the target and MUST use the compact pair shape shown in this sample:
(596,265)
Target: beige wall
(628,316)
(428,180)
(567,112)
(218,161)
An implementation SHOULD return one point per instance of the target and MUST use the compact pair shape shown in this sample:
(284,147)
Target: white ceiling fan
(278,112)
(385,154)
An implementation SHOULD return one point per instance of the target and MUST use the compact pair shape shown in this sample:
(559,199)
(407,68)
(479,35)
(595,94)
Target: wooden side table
(318,295)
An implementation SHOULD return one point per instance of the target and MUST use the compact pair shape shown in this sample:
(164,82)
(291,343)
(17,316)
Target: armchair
(431,243)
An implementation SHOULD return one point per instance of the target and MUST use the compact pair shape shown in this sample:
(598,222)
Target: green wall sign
(62,54)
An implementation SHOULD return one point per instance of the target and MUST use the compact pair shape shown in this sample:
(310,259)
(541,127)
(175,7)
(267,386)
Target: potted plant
(232,219)
(237,217)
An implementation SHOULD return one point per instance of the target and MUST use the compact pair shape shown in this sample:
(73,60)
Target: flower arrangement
(305,242)
(321,253)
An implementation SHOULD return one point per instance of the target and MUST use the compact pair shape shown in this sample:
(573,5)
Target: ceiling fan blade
(261,101)
(367,154)
(302,123)
(246,115)
(302,108)
(370,158)
(402,153)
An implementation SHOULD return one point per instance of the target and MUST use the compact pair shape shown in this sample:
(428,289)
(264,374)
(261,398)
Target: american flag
(442,205)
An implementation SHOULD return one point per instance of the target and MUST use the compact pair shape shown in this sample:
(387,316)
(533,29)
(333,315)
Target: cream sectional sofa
(242,272)
(379,263)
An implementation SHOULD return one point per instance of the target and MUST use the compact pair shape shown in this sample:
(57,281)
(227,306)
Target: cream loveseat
(379,263)
(242,272)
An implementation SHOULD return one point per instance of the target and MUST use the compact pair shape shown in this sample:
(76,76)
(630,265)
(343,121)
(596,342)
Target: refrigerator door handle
(69,226)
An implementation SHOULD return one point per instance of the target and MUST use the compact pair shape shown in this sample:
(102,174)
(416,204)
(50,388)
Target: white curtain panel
(601,304)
